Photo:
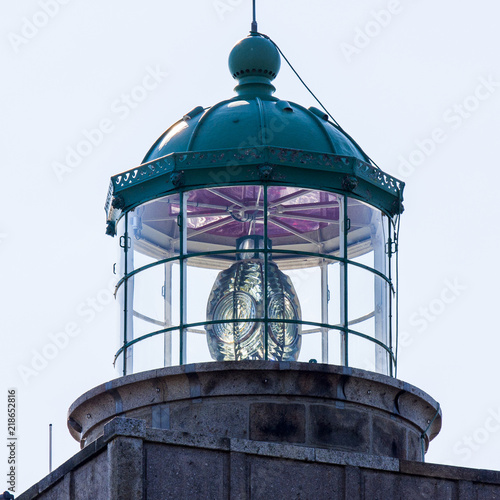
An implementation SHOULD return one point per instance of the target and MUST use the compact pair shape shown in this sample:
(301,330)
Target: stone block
(344,429)
(279,422)
(160,416)
(487,492)
(58,491)
(188,439)
(125,427)
(352,483)
(239,484)
(314,384)
(125,462)
(364,460)
(278,450)
(388,438)
(384,486)
(90,480)
(285,479)
(414,446)
(185,473)
(225,419)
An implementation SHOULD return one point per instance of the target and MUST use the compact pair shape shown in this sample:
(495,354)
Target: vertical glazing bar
(122,297)
(266,261)
(344,343)
(124,332)
(379,242)
(167,315)
(130,301)
(183,277)
(324,311)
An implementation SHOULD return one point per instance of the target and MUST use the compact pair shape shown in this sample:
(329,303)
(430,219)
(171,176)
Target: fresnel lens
(239,327)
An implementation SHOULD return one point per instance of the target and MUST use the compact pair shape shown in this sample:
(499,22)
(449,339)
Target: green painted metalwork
(256,139)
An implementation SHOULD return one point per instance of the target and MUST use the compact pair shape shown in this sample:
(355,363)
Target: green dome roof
(254,117)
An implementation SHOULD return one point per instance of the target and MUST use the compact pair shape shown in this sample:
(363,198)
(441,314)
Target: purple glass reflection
(238,211)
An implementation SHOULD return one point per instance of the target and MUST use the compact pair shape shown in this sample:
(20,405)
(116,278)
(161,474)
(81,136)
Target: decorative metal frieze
(224,167)
(378,177)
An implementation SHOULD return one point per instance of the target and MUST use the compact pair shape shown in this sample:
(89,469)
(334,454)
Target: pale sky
(415,82)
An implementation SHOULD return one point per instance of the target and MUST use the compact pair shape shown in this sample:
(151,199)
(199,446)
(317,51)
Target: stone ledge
(181,438)
(449,472)
(121,426)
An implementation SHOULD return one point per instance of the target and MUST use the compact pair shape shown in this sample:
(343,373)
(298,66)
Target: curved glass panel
(254,272)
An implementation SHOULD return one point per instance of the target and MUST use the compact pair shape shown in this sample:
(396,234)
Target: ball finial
(254,57)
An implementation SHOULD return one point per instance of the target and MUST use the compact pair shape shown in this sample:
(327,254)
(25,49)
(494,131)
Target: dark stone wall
(132,462)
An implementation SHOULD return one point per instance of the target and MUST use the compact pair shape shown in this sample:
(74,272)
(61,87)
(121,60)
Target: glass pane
(361,353)
(302,220)
(334,347)
(153,305)
(380,243)
(361,300)
(334,293)
(311,345)
(156,352)
(154,229)
(197,346)
(200,283)
(218,217)
(307,287)
(119,269)
(150,295)
(148,354)
(364,224)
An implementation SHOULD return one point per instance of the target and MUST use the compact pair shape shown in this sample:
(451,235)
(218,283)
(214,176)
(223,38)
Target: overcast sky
(415,82)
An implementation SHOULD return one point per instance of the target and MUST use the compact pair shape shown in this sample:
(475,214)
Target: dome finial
(254,62)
